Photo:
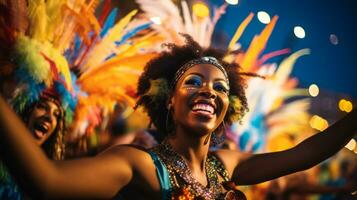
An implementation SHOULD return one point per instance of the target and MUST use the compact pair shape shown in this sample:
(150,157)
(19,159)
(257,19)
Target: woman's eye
(193,81)
(57,114)
(220,88)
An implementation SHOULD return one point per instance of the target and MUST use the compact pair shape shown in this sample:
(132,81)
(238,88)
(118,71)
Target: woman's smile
(43,120)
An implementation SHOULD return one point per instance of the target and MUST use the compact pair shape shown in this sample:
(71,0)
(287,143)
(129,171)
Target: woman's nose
(48,115)
(207,92)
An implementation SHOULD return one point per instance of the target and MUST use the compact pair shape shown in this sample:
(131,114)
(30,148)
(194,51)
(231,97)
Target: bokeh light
(345,105)
(263,17)
(232,2)
(314,90)
(156,20)
(200,9)
(318,123)
(299,32)
(334,39)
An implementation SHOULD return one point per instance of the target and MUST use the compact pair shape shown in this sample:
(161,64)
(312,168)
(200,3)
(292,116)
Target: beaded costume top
(182,185)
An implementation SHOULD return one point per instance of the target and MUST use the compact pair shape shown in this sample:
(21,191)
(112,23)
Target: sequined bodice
(182,183)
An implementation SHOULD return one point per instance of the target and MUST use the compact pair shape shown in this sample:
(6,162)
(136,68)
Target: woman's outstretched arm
(90,178)
(313,150)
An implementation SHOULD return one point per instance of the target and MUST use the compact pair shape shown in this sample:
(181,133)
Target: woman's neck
(192,148)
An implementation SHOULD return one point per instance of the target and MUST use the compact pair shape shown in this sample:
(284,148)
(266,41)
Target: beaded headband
(204,60)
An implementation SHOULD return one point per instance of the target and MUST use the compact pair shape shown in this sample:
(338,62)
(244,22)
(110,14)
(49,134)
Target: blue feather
(109,22)
(128,35)
(132,32)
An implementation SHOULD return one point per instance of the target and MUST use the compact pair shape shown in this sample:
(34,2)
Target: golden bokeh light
(200,10)
(318,123)
(345,105)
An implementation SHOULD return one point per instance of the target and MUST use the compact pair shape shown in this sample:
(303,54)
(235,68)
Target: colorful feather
(106,45)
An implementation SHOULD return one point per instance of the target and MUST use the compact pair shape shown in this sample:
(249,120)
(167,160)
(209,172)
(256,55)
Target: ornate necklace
(177,166)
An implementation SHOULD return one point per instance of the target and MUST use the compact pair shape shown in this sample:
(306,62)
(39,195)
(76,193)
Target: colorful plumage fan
(268,116)
(109,63)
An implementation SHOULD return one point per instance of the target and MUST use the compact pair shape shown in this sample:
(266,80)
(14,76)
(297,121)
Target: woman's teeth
(42,127)
(203,107)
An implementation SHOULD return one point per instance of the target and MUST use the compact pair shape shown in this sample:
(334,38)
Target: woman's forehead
(206,71)
(49,102)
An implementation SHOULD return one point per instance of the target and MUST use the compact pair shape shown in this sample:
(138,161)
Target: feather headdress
(34,55)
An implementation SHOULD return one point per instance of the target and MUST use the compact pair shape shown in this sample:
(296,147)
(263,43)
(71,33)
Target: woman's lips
(41,129)
(203,109)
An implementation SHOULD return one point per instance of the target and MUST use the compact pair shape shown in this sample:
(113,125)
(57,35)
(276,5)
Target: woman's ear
(170,103)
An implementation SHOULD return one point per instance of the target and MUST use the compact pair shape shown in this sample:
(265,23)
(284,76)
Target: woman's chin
(200,129)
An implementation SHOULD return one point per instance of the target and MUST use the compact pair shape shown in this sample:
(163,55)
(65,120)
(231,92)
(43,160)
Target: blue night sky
(332,67)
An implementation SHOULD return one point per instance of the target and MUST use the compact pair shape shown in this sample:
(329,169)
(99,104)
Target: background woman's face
(200,100)
(43,120)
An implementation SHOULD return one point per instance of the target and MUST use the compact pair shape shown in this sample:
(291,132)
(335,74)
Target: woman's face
(200,100)
(43,120)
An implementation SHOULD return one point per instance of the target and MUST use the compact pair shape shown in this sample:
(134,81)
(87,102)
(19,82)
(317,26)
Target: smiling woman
(45,120)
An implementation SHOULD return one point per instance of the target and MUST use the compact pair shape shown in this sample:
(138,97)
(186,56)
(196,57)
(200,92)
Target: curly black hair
(164,67)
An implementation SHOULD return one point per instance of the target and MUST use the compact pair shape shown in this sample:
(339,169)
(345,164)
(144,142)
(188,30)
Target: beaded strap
(219,167)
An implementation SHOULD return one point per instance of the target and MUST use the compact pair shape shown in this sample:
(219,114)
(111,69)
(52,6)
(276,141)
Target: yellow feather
(136,62)
(38,20)
(240,30)
(54,12)
(257,46)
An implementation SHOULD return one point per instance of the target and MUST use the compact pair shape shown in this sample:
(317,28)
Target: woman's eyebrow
(195,73)
(220,79)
